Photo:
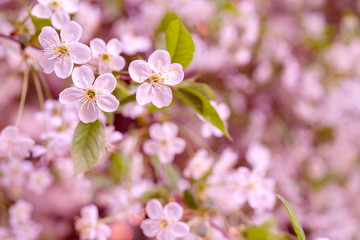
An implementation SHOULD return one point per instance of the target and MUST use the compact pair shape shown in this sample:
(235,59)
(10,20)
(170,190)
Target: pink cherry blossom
(88,226)
(39,180)
(199,165)
(156,77)
(92,96)
(13,144)
(164,142)
(60,56)
(163,223)
(107,56)
(57,10)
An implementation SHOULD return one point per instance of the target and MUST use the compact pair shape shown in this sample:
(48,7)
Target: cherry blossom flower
(15,172)
(20,221)
(60,56)
(57,10)
(13,144)
(40,180)
(107,56)
(163,223)
(88,226)
(156,77)
(258,156)
(89,94)
(199,165)
(132,110)
(164,142)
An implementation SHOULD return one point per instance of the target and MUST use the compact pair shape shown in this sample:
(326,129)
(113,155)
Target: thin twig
(23,95)
(38,90)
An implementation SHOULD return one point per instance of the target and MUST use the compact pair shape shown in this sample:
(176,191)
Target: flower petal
(41,11)
(150,227)
(104,67)
(80,53)
(63,67)
(107,103)
(60,18)
(114,47)
(47,63)
(48,36)
(178,145)
(83,77)
(179,229)
(71,32)
(139,70)
(159,59)
(162,96)
(117,63)
(170,129)
(172,74)
(144,93)
(97,46)
(105,83)
(151,147)
(71,6)
(88,112)
(173,211)
(70,95)
(165,234)
(154,209)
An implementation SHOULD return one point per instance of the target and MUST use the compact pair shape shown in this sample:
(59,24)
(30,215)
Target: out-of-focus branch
(12,38)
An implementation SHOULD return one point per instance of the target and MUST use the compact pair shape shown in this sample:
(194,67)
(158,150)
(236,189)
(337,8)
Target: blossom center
(105,57)
(90,94)
(163,223)
(54,5)
(62,49)
(156,78)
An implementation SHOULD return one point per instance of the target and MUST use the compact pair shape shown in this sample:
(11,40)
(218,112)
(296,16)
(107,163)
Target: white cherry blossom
(199,165)
(60,55)
(15,172)
(13,145)
(163,223)
(92,96)
(57,10)
(156,77)
(88,226)
(40,180)
(164,142)
(107,56)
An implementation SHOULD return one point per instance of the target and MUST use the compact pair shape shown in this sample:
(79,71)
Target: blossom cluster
(179,119)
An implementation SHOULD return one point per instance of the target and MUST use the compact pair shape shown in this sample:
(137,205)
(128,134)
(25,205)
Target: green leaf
(88,145)
(172,175)
(190,200)
(39,23)
(179,43)
(201,105)
(168,18)
(205,89)
(256,233)
(294,219)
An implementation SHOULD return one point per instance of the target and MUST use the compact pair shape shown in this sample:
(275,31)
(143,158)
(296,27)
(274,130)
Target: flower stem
(46,87)
(38,90)
(23,95)
(10,79)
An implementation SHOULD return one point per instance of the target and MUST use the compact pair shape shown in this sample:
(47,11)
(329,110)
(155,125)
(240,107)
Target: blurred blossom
(13,145)
(199,165)
(40,180)
(58,11)
(88,227)
(164,142)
